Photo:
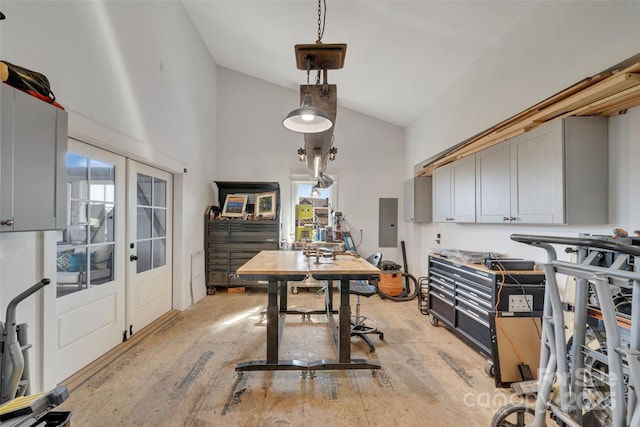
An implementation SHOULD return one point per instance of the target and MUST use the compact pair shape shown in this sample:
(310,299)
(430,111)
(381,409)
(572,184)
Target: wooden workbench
(279,267)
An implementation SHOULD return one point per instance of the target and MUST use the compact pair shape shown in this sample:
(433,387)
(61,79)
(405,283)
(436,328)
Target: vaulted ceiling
(401,54)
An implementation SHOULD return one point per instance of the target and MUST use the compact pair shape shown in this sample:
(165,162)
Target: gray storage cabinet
(33,172)
(229,243)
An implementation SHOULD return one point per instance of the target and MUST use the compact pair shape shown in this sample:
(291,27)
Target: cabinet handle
(506,218)
(7,222)
(513,218)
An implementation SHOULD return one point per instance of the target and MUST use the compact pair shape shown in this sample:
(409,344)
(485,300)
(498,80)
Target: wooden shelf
(605,94)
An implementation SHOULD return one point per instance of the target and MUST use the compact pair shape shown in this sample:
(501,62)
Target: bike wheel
(513,415)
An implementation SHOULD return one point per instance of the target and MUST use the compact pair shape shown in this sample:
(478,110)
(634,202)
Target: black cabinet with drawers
(463,296)
(229,243)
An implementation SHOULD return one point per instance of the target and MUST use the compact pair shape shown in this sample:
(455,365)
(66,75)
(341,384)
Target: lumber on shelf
(605,94)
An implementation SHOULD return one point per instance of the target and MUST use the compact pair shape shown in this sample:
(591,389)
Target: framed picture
(265,205)
(234,205)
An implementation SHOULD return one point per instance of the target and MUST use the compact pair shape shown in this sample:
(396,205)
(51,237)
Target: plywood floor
(182,373)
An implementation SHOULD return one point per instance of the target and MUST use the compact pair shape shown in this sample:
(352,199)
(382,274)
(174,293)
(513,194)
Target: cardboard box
(238,290)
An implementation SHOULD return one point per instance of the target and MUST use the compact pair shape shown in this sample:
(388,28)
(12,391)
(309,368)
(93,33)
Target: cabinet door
(442,194)
(537,184)
(463,189)
(493,196)
(33,172)
(418,199)
(409,200)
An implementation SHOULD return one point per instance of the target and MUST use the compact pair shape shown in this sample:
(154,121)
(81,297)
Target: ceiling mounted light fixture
(320,98)
(325,181)
(307,118)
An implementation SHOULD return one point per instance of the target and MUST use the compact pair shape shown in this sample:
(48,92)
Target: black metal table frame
(340,331)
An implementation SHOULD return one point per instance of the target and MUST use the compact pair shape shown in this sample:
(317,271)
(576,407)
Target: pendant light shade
(307,118)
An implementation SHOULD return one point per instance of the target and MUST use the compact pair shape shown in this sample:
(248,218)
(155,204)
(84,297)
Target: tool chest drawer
(463,296)
(231,243)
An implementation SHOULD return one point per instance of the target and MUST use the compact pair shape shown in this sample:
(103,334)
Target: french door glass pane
(159,222)
(86,247)
(144,190)
(159,249)
(101,264)
(159,193)
(144,256)
(102,227)
(144,223)
(151,222)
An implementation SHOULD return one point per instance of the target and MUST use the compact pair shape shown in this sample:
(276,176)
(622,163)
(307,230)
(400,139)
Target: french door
(149,245)
(90,261)
(113,261)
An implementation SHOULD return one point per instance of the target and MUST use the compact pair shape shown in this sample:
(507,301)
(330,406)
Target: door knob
(133,257)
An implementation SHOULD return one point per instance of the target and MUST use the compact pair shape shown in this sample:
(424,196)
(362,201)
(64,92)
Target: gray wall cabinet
(454,191)
(554,174)
(33,173)
(418,199)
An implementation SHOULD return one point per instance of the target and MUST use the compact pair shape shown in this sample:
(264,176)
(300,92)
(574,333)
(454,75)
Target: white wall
(555,46)
(136,79)
(369,163)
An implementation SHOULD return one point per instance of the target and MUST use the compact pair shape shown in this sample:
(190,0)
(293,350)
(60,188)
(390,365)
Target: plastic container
(390,282)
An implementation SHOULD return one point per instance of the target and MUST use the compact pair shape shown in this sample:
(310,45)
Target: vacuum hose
(406,294)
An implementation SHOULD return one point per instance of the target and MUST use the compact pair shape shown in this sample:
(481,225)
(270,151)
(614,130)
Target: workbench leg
(283,296)
(328,292)
(273,326)
(344,319)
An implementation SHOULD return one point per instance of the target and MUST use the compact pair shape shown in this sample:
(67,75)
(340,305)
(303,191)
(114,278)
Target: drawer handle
(476,315)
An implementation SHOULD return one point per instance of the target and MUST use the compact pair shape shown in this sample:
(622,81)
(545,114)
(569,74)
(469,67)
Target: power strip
(520,303)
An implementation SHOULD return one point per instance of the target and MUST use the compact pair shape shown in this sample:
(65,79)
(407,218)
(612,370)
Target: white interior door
(90,261)
(149,244)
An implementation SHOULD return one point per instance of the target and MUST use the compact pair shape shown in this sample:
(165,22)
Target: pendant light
(307,118)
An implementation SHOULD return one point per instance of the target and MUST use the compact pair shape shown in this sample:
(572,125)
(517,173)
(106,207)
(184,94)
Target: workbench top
(275,262)
(296,263)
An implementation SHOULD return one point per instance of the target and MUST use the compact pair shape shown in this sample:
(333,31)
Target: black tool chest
(231,242)
(463,296)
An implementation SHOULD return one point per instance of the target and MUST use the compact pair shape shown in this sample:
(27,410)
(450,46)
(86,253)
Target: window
(152,222)
(311,213)
(85,248)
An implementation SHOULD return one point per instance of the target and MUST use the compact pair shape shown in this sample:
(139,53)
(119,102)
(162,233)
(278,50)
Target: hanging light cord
(322,17)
